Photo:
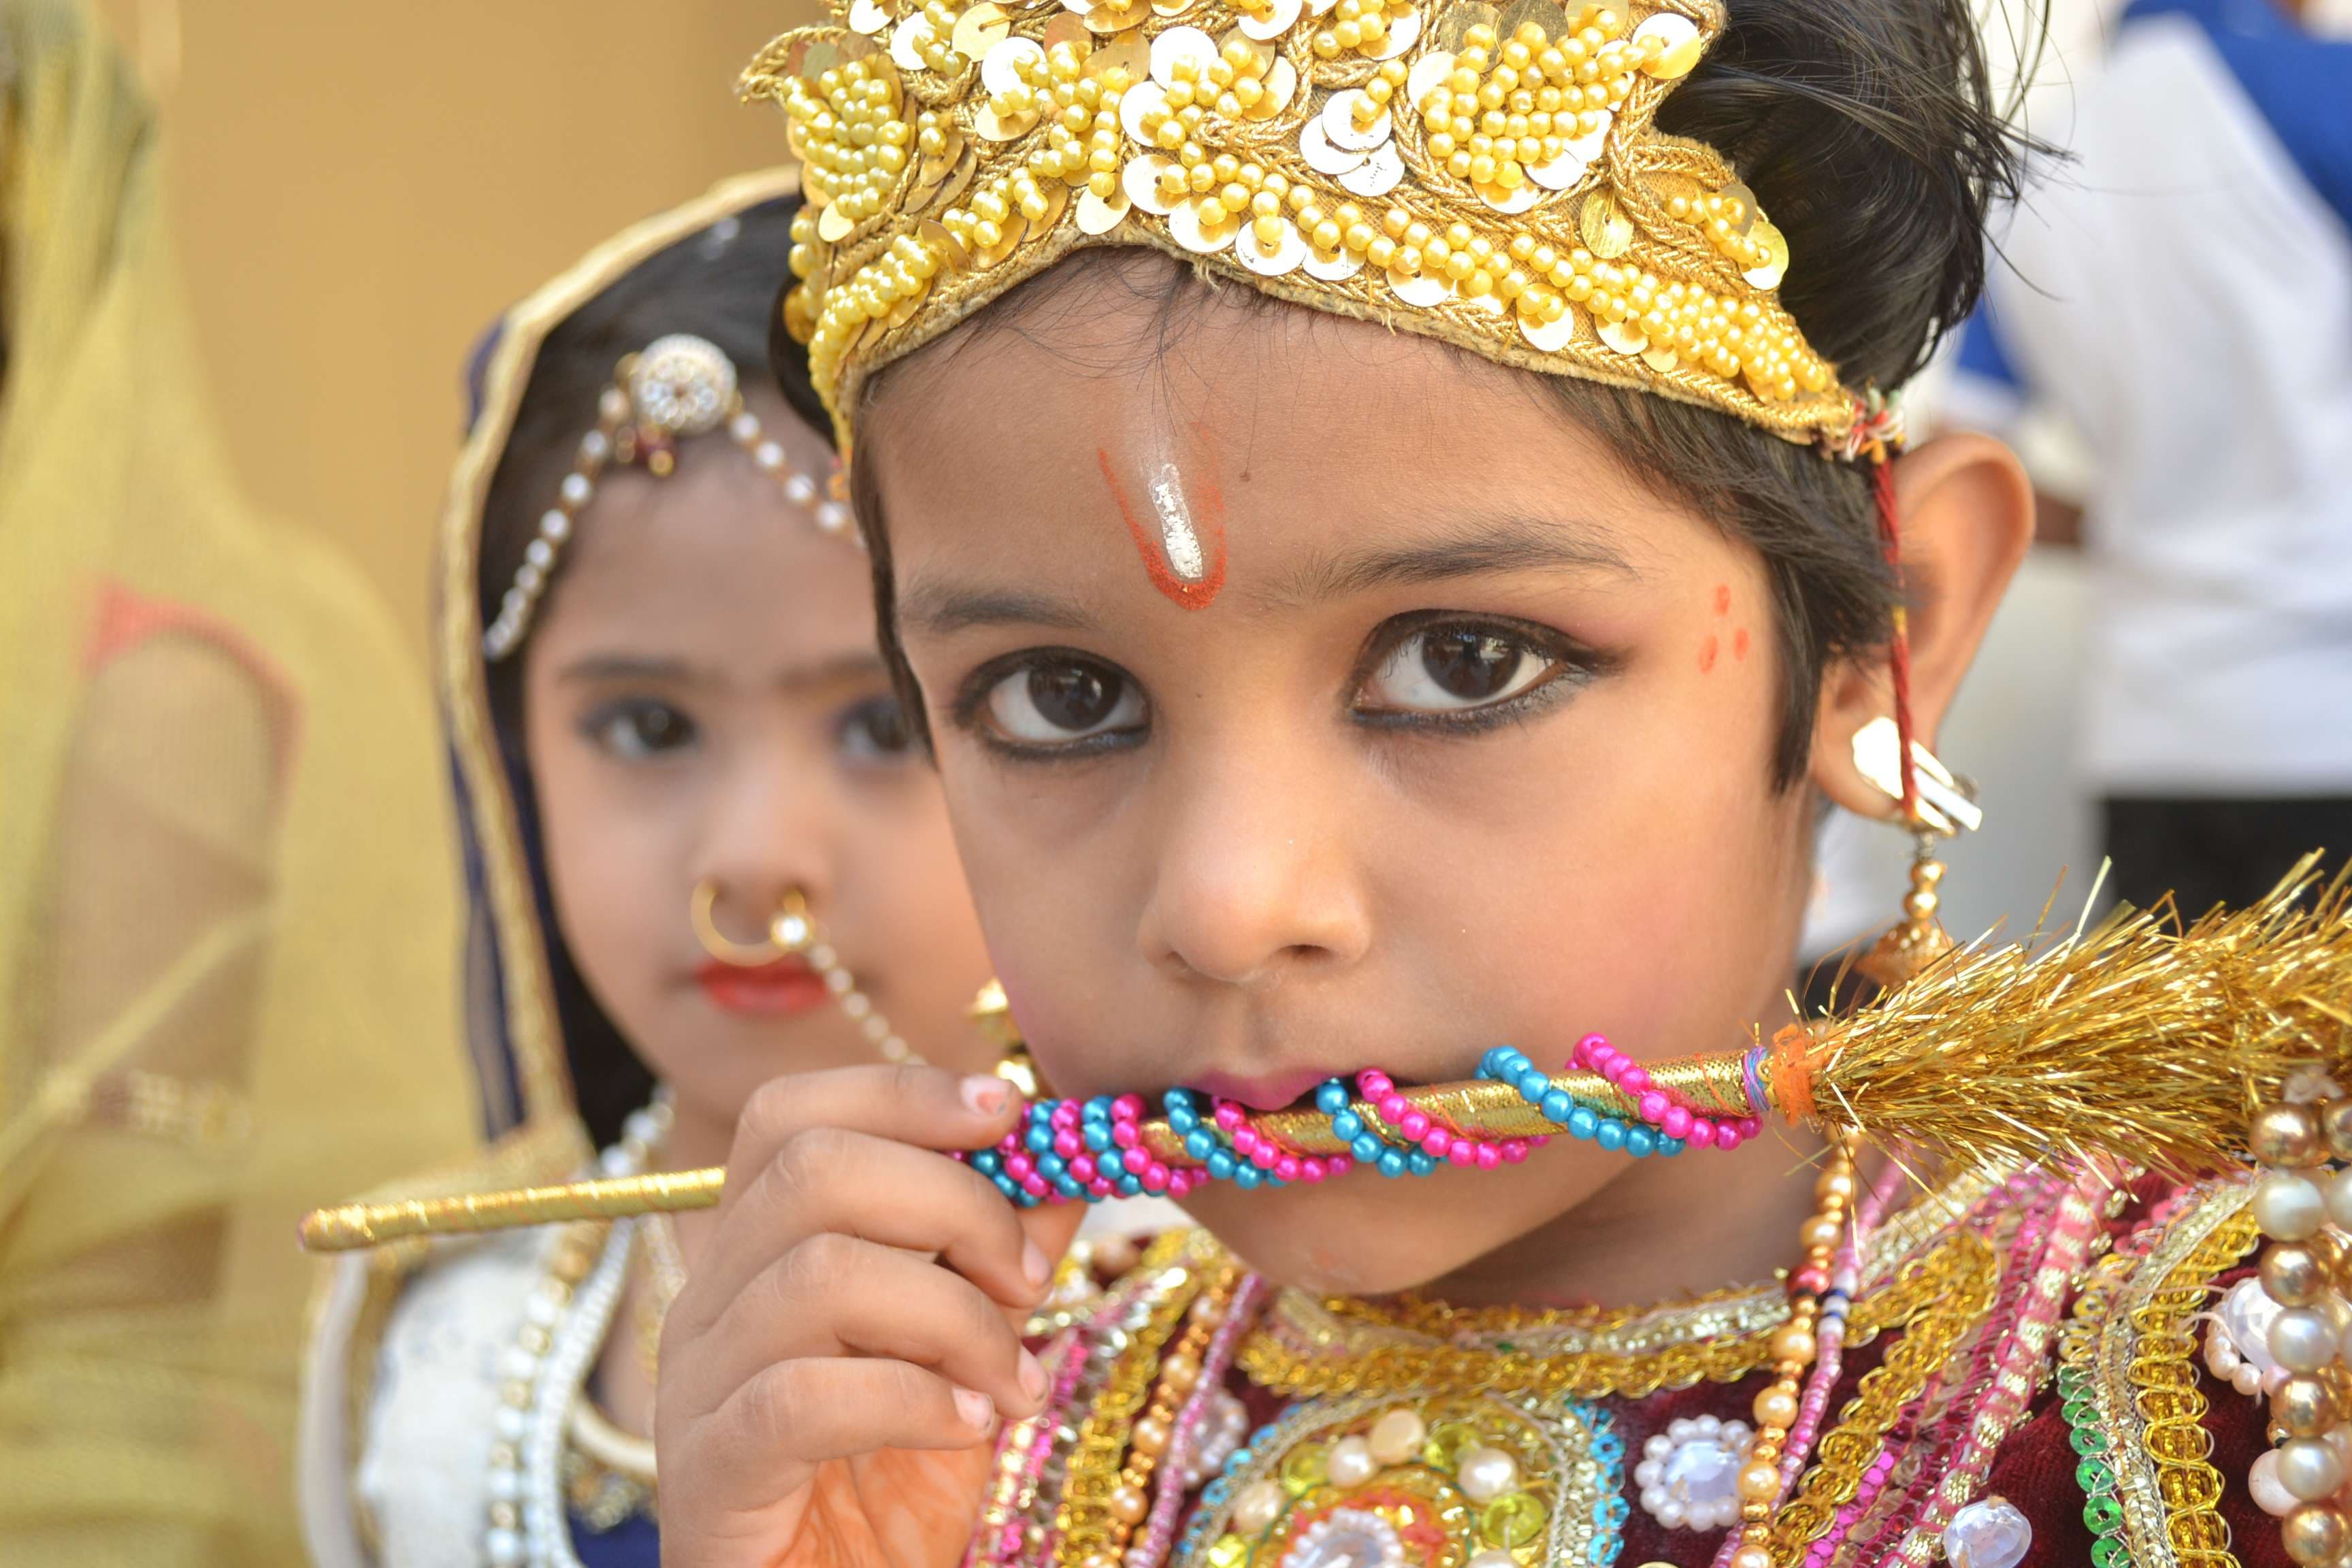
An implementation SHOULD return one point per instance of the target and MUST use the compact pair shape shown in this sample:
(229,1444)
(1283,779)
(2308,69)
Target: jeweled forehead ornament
(674,388)
(1493,178)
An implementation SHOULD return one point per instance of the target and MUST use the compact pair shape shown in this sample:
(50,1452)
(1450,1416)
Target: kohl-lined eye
(1455,667)
(1054,701)
(635,729)
(874,730)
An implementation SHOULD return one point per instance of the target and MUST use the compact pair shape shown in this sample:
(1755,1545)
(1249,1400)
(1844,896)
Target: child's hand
(835,1367)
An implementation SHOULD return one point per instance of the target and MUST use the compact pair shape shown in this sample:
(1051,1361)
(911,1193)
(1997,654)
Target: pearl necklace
(565,1320)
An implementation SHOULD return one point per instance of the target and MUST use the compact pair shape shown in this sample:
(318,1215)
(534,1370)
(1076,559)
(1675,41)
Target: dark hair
(717,284)
(1867,130)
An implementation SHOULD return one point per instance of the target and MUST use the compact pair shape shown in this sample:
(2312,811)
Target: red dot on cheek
(1723,598)
(1739,643)
(1707,652)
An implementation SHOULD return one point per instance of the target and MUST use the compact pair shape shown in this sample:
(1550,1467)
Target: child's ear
(1967,517)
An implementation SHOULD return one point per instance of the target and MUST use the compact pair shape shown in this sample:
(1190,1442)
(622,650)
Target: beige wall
(361,188)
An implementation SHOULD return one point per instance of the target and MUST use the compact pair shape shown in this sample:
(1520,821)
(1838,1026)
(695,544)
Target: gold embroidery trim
(1966,1282)
(1180,1267)
(1367,1363)
(2148,1355)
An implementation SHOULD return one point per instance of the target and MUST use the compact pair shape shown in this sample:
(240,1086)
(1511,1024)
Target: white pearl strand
(696,390)
(796,930)
(563,1330)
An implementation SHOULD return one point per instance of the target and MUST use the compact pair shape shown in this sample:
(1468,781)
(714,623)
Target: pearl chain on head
(675,387)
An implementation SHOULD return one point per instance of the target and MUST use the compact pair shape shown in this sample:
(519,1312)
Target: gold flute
(2134,1040)
(1478,1109)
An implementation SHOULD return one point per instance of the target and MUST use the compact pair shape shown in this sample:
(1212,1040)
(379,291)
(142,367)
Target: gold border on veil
(531,1030)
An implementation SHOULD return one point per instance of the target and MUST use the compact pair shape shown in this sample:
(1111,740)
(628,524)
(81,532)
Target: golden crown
(1490,177)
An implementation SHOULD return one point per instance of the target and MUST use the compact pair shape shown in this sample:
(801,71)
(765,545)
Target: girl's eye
(1056,700)
(638,728)
(876,731)
(1454,668)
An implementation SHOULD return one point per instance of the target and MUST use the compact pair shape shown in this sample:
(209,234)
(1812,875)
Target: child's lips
(1270,1091)
(786,988)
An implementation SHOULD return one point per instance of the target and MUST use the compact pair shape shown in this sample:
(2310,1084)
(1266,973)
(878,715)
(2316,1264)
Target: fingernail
(985,1093)
(1036,1264)
(1033,1376)
(976,1408)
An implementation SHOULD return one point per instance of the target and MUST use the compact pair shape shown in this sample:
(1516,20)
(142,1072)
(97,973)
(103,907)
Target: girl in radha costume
(702,851)
(1338,492)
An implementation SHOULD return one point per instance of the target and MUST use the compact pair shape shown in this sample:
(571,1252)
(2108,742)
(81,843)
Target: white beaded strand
(679,385)
(564,1325)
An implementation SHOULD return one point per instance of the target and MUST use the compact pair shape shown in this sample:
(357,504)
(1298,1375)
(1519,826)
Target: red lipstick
(784,988)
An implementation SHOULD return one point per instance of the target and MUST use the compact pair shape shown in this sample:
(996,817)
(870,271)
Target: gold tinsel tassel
(2135,1041)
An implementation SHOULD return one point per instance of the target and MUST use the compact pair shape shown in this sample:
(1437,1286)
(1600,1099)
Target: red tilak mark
(1209,525)
(1706,651)
(1723,598)
(1739,643)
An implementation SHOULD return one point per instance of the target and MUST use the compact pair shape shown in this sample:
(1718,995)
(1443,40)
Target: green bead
(2081,1412)
(1512,1520)
(1305,1467)
(2108,1551)
(2095,1476)
(2088,1440)
(2104,1515)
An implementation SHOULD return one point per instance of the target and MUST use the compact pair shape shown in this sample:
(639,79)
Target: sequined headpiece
(1493,178)
(673,388)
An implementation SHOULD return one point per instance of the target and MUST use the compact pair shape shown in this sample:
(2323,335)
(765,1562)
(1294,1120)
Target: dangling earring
(1014,1065)
(1940,806)
(793,933)
(1933,800)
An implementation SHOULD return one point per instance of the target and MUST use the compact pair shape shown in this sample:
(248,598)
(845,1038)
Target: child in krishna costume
(1391,519)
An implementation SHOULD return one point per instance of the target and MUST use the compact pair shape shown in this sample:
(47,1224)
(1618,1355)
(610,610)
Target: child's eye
(637,728)
(1056,701)
(874,730)
(1453,667)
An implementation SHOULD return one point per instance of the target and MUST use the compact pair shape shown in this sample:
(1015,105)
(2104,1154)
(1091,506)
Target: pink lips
(1273,1092)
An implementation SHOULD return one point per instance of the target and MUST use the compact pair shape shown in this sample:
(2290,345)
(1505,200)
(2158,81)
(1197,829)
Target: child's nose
(1257,873)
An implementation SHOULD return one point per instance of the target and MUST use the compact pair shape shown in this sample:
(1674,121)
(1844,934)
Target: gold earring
(1935,803)
(718,944)
(1014,1065)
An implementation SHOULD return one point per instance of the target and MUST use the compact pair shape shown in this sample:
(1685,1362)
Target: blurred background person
(227,912)
(2179,297)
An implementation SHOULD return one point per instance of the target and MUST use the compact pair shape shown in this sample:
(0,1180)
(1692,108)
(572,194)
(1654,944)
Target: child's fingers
(830,1179)
(838,1295)
(1050,1228)
(925,1105)
(796,1415)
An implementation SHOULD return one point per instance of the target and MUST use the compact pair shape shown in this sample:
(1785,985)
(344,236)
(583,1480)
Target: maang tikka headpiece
(1493,178)
(674,388)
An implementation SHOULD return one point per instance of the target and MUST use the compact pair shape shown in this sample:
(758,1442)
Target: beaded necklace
(540,1397)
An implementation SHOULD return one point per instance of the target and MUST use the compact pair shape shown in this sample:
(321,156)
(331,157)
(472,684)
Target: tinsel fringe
(2135,1041)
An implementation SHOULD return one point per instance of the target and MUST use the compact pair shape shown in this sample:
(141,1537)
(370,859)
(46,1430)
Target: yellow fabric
(227,911)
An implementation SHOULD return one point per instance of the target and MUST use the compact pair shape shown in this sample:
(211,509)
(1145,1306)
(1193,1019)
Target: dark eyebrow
(625,666)
(939,609)
(1463,547)
(621,667)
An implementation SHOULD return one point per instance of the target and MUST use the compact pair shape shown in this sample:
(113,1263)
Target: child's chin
(1330,1242)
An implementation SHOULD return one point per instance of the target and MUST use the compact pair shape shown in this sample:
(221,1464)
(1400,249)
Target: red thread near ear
(1898,650)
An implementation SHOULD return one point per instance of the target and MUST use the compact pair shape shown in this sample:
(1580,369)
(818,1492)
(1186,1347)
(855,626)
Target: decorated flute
(2136,1042)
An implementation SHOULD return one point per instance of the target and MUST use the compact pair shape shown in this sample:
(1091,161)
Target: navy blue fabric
(1981,354)
(635,1543)
(2300,84)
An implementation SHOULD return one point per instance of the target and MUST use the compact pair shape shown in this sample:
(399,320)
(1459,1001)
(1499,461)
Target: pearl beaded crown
(1491,178)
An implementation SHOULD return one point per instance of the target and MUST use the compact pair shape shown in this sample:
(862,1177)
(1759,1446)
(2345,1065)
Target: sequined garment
(2032,1376)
